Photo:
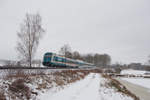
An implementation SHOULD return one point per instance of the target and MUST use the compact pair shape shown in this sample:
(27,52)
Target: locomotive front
(47,59)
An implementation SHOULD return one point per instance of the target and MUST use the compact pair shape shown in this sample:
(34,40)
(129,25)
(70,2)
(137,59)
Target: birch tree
(29,35)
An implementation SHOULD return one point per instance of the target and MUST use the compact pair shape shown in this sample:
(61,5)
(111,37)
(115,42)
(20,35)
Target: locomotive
(53,60)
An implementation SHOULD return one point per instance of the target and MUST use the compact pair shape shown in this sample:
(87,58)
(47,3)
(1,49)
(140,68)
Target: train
(53,60)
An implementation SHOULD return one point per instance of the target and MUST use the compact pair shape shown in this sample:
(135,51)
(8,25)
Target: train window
(63,60)
(55,58)
(67,61)
(59,59)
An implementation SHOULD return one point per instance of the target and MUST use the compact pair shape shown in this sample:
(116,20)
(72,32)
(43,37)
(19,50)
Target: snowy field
(134,72)
(92,87)
(144,82)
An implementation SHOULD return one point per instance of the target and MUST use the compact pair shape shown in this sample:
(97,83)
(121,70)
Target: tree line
(100,60)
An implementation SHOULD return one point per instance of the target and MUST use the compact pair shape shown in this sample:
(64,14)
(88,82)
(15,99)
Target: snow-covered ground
(144,82)
(92,87)
(134,72)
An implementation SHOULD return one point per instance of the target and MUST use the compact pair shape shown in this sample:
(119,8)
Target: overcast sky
(120,28)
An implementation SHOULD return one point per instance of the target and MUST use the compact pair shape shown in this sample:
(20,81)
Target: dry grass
(120,88)
(61,78)
(16,74)
(19,89)
(2,96)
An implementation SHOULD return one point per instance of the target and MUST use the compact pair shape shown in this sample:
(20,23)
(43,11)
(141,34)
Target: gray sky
(120,28)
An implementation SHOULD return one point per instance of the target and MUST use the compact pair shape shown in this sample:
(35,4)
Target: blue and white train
(53,60)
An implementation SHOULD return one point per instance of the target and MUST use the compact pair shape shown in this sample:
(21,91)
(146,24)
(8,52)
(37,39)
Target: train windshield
(47,57)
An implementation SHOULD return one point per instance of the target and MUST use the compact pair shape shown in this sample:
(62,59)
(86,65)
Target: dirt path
(141,92)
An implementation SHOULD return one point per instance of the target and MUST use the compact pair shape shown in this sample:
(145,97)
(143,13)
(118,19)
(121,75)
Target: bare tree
(104,60)
(76,55)
(30,33)
(98,59)
(88,58)
(66,51)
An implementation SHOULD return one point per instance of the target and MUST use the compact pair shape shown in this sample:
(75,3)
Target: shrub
(2,96)
(19,88)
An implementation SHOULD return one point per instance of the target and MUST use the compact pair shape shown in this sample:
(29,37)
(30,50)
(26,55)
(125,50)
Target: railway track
(1,68)
(10,71)
(5,67)
(5,71)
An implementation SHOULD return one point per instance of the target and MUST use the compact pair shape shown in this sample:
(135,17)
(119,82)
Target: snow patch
(139,81)
(133,72)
